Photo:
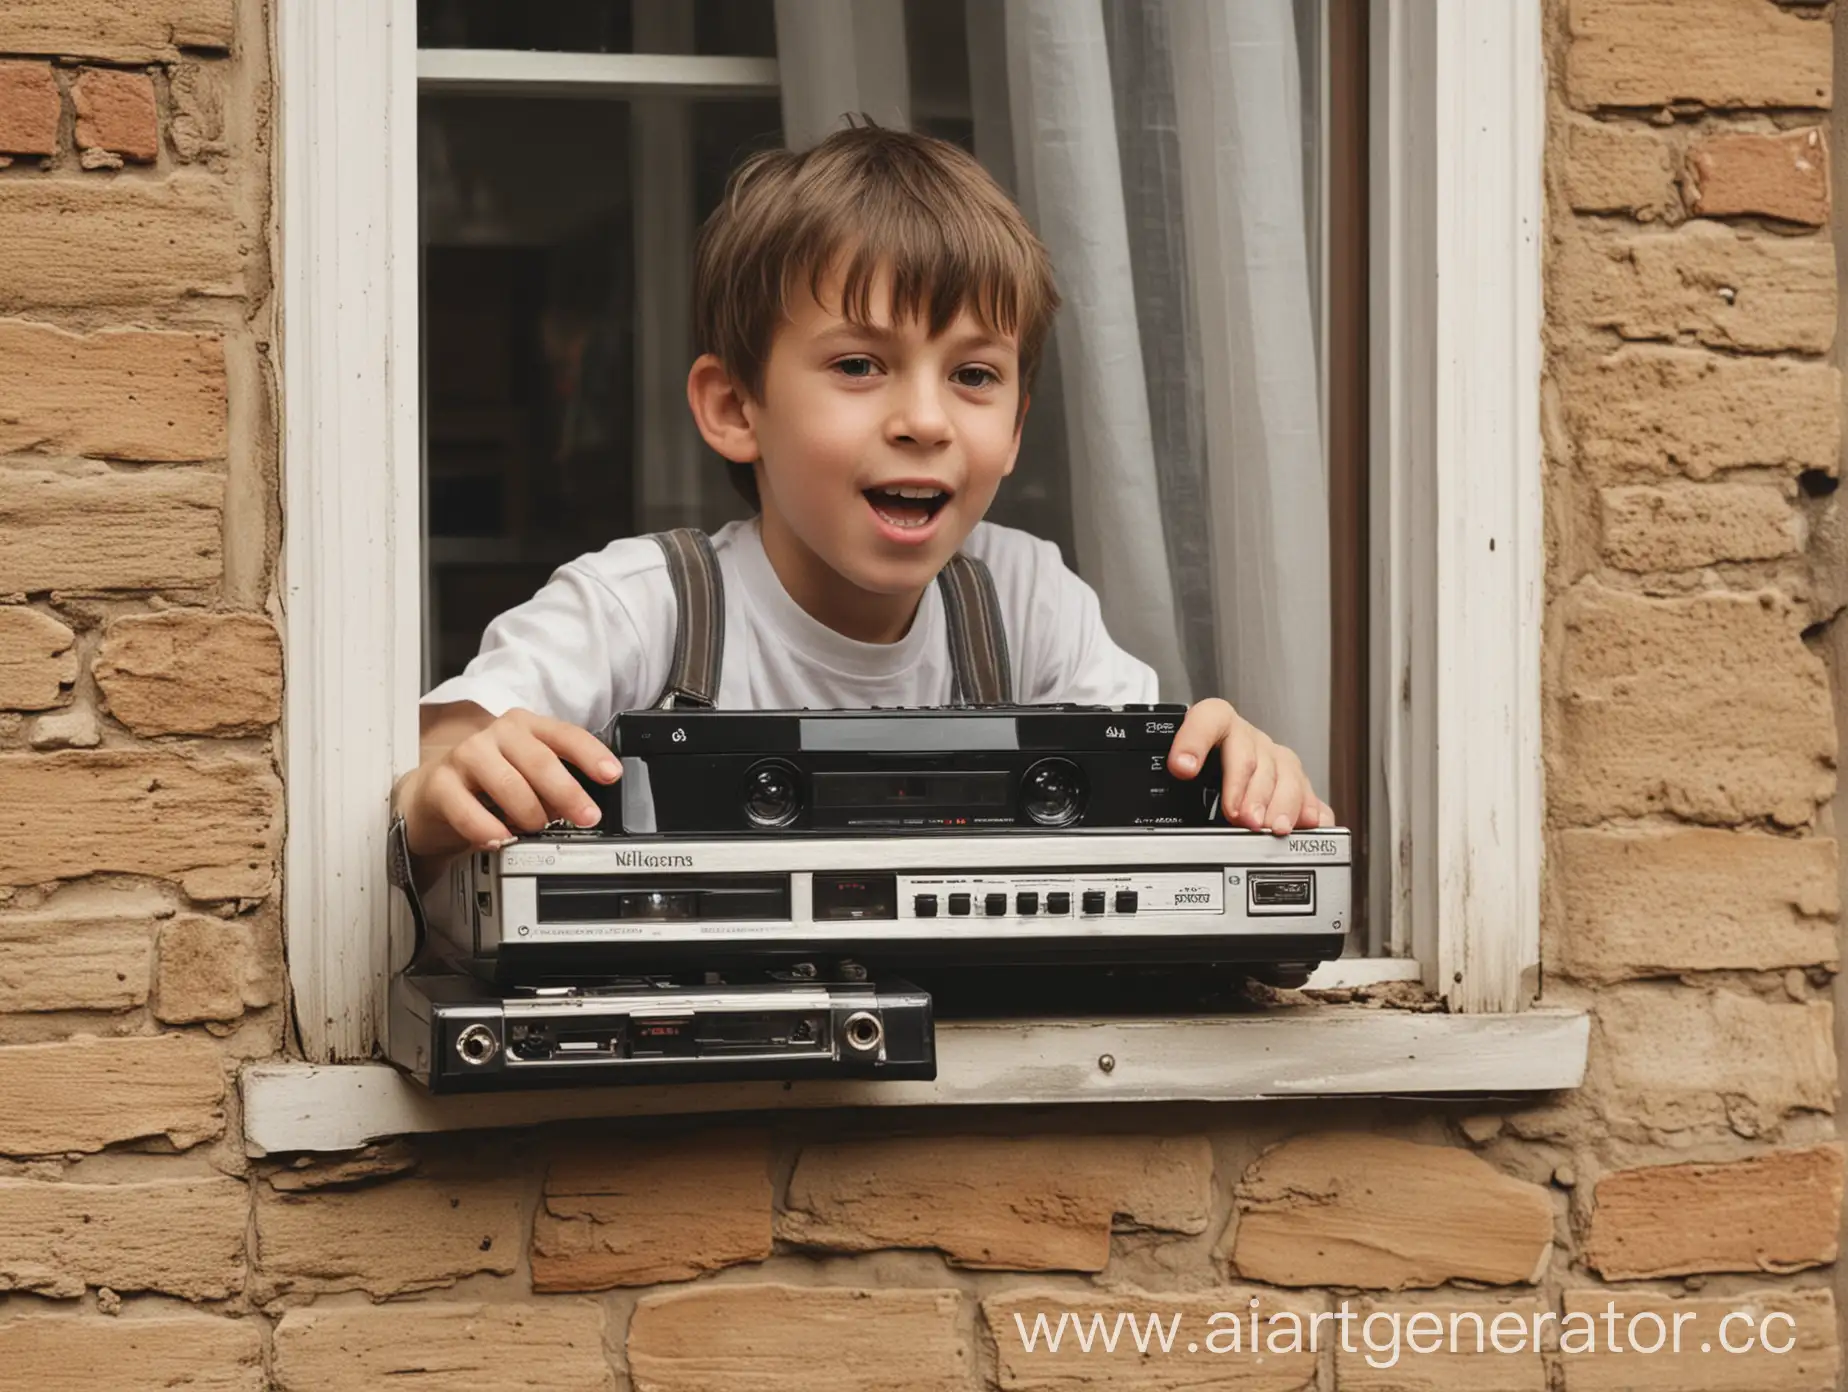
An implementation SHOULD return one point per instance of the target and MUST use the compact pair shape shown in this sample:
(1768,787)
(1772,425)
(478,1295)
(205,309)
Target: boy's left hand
(1264,787)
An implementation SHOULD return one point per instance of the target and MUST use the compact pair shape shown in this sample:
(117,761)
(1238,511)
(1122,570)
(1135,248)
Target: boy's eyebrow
(848,332)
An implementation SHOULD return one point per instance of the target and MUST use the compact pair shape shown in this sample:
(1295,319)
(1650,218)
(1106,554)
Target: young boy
(869,315)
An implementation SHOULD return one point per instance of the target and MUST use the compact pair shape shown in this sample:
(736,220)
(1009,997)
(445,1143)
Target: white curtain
(1157,146)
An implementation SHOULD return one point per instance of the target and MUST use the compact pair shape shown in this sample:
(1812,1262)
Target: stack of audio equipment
(767,890)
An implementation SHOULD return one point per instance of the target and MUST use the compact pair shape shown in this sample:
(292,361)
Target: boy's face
(879,449)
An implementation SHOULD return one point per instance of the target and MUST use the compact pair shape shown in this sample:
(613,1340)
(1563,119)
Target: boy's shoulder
(633,563)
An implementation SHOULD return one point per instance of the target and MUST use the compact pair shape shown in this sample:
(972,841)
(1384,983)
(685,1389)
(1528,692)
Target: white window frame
(1458,140)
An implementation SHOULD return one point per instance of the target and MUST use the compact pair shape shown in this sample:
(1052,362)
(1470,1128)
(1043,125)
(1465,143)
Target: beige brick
(1720,53)
(116,112)
(1681,526)
(1035,1203)
(95,958)
(767,1338)
(30,109)
(37,659)
(76,728)
(117,242)
(211,821)
(148,31)
(1647,412)
(123,394)
(84,1353)
(1779,1211)
(554,1346)
(182,1237)
(192,672)
(197,129)
(1703,283)
(1699,1359)
(150,529)
(1611,168)
(402,1235)
(1656,901)
(1781,176)
(216,968)
(660,1210)
(1374,1212)
(1680,1058)
(1445,1346)
(1709,707)
(84,1094)
(1201,1352)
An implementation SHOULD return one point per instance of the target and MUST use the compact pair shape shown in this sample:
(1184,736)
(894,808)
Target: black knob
(1026,903)
(1126,901)
(994,904)
(1058,902)
(959,904)
(1052,793)
(1094,901)
(772,794)
(925,906)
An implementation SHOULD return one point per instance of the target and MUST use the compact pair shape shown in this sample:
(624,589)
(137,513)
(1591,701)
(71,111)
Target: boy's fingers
(578,745)
(549,778)
(1327,817)
(487,768)
(1209,722)
(1238,761)
(455,803)
(1286,802)
(1258,792)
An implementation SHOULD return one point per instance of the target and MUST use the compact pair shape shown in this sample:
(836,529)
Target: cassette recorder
(454,1034)
(552,906)
(895,772)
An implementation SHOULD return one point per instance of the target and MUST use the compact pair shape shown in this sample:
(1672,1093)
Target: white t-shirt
(599,638)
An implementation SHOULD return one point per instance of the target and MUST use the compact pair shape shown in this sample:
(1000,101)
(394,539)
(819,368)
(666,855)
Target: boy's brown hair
(883,199)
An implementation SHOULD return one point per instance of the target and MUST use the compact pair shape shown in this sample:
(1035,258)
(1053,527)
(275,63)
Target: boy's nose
(918,416)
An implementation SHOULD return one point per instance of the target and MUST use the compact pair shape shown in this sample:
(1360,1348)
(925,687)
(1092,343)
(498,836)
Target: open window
(1300,469)
(565,163)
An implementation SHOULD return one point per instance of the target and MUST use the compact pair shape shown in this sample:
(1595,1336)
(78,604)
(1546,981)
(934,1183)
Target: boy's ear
(718,406)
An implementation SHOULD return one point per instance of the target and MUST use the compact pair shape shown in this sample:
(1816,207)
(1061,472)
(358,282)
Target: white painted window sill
(1312,1051)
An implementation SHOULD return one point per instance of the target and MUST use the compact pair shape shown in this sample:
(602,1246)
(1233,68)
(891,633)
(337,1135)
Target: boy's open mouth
(906,505)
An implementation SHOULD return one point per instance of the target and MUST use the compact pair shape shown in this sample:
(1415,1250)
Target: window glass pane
(534,421)
(722,28)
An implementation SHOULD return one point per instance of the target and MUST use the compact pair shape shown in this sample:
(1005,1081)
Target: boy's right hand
(517,761)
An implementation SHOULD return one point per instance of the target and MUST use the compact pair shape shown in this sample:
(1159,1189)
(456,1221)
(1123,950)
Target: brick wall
(1695,564)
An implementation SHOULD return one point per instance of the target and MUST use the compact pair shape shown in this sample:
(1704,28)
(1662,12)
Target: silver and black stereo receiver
(455,1034)
(895,772)
(563,904)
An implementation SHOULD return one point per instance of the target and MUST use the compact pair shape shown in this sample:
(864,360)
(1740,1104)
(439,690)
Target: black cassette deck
(899,772)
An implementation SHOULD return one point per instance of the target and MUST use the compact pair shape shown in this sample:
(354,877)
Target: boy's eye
(856,367)
(975,377)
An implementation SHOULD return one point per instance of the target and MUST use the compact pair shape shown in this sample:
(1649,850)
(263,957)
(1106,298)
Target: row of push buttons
(1026,903)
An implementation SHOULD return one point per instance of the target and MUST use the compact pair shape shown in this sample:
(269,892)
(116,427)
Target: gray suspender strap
(978,642)
(699,634)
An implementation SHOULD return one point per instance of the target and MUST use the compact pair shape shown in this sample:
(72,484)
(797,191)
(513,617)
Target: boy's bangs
(939,265)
